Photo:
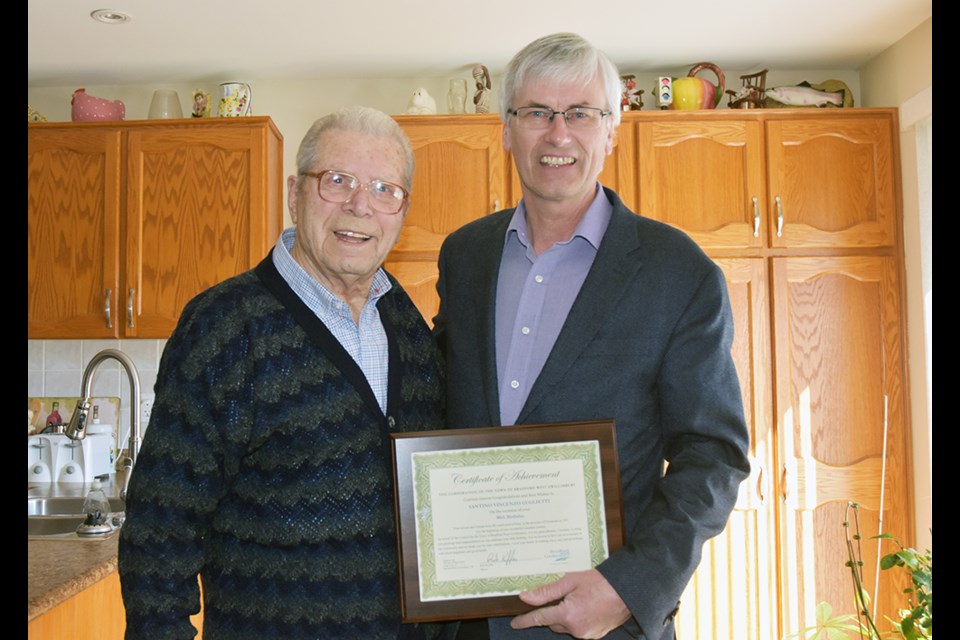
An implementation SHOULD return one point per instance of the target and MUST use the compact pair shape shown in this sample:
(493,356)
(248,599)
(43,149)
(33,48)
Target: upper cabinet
(770,178)
(460,176)
(73,232)
(833,180)
(704,176)
(127,221)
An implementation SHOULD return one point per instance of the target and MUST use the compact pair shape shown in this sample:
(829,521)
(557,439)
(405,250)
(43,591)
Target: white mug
(235,99)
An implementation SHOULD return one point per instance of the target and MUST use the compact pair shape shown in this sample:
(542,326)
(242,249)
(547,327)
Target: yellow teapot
(697,93)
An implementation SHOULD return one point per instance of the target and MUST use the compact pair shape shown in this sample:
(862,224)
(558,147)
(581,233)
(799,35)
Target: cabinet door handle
(779,217)
(760,485)
(496,204)
(756,217)
(106,309)
(784,490)
(130,308)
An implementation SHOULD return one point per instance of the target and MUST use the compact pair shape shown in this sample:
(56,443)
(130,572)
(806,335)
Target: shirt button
(514,384)
(525,330)
(539,279)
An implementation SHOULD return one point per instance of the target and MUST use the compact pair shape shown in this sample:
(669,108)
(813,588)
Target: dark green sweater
(266,469)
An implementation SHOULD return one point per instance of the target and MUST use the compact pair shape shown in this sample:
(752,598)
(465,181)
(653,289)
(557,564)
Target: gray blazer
(646,343)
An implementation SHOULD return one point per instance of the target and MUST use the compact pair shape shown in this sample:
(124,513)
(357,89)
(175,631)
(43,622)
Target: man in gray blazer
(571,307)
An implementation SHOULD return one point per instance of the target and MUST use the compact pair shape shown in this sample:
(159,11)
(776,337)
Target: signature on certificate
(506,558)
(558,555)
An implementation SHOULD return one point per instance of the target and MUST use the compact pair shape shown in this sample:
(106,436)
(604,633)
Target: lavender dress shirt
(534,295)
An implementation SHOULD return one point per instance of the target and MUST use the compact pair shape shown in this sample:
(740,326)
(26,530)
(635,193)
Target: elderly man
(571,307)
(265,469)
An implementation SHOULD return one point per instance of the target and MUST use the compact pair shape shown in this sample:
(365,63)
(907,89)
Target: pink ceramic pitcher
(88,108)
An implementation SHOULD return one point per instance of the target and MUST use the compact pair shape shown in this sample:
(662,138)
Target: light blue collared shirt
(365,341)
(534,296)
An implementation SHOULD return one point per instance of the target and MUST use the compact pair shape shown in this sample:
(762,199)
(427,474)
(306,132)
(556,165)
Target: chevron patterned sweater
(266,470)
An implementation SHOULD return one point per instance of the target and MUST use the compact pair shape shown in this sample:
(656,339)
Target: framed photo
(483,514)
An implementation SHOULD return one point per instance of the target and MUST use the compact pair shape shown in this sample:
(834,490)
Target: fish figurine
(804,97)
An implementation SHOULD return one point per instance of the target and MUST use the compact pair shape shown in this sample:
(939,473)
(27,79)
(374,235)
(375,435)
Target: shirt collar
(591,227)
(304,284)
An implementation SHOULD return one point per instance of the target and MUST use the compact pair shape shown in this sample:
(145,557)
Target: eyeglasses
(575,117)
(338,187)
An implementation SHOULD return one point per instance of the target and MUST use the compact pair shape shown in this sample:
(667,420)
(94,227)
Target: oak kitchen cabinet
(127,221)
(95,613)
(807,179)
(801,209)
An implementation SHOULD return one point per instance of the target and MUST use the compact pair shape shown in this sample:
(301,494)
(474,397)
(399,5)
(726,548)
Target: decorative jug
(86,108)
(697,93)
(235,99)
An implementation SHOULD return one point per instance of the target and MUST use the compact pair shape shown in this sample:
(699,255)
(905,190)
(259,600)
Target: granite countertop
(60,567)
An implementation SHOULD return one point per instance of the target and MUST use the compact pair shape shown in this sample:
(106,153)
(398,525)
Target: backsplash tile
(55,369)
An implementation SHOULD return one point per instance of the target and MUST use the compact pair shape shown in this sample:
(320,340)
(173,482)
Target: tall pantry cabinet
(801,210)
(127,221)
(810,199)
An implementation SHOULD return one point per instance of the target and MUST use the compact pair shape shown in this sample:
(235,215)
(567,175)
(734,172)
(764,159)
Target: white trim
(916,108)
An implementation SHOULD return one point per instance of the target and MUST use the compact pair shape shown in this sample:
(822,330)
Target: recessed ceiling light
(110,16)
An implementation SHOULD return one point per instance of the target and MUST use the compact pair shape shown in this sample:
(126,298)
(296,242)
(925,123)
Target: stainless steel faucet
(77,427)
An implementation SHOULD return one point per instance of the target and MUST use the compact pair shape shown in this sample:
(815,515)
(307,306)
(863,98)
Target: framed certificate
(483,514)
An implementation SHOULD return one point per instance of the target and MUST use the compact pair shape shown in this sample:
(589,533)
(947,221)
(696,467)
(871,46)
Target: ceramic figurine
(201,104)
(421,103)
(630,99)
(804,97)
(481,99)
(34,116)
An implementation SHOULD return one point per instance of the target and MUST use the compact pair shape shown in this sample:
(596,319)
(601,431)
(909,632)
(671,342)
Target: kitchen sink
(65,506)
(60,516)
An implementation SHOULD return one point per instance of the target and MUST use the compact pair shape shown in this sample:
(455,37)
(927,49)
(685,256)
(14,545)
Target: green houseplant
(915,620)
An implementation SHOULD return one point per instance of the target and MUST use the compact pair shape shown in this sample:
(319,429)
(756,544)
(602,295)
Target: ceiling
(208,40)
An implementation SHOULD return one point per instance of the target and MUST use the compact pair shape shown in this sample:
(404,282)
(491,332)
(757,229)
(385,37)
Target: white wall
(902,76)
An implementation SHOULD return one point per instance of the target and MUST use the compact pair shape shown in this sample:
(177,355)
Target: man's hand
(584,606)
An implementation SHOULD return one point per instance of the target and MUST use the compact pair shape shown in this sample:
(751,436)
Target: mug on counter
(234,99)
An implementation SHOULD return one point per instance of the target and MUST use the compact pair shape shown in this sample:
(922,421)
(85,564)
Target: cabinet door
(704,177)
(733,592)
(841,427)
(194,195)
(833,181)
(73,227)
(460,176)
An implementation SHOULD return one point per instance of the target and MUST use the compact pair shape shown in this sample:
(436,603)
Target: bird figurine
(421,103)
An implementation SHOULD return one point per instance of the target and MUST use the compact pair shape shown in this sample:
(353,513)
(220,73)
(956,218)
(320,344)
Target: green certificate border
(415,455)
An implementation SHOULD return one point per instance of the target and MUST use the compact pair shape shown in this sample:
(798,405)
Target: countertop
(57,570)
(60,567)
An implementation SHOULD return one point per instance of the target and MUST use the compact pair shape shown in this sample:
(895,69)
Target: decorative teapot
(697,93)
(87,108)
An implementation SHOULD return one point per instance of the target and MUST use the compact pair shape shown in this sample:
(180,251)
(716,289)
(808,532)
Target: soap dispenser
(96,508)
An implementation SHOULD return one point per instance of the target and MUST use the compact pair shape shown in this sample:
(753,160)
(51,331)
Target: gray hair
(561,57)
(360,120)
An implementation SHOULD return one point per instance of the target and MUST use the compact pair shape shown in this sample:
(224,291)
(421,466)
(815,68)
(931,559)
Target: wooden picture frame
(483,514)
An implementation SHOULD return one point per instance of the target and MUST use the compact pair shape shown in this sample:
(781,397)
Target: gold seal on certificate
(483,514)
